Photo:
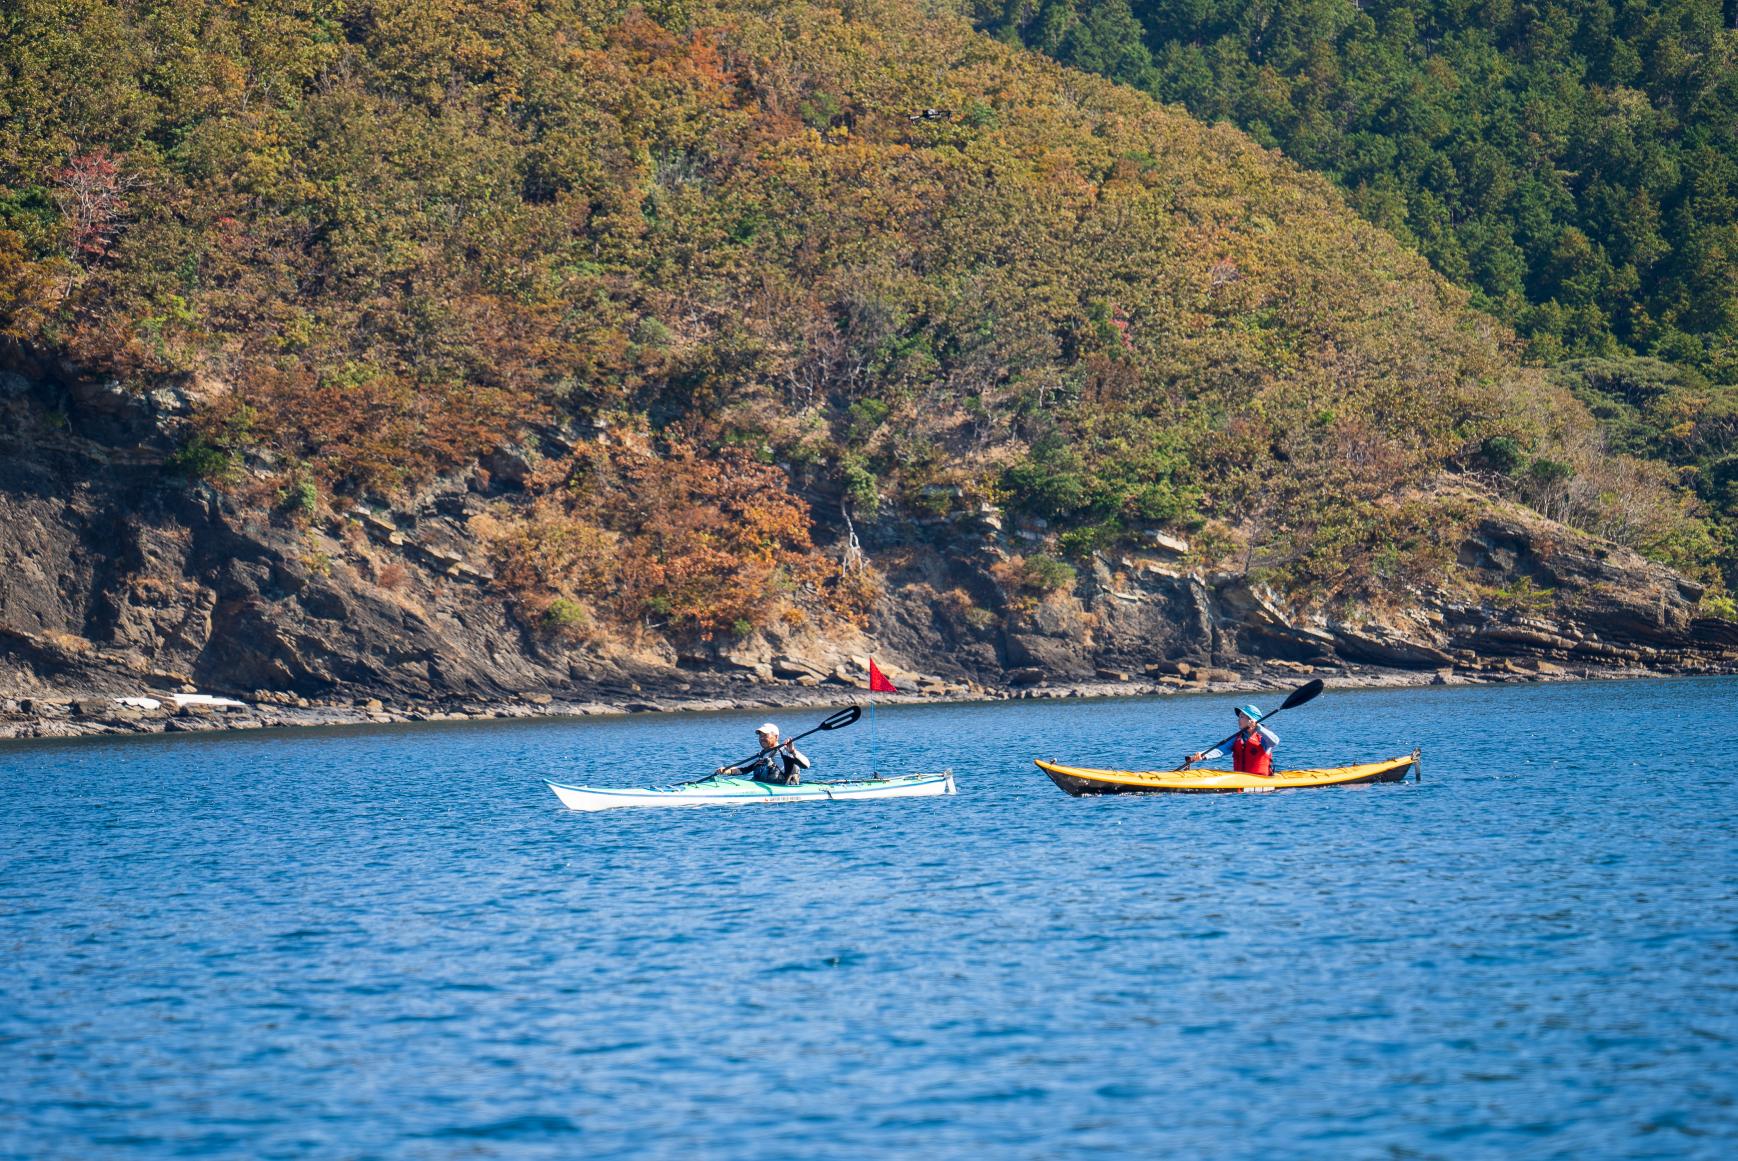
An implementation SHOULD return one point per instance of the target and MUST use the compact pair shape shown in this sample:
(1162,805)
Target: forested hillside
(684,288)
(1575,164)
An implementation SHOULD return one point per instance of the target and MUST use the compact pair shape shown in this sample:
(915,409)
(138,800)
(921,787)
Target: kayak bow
(1079,780)
(734,791)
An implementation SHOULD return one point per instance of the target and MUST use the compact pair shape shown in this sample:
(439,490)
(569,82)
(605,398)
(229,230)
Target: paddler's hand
(725,770)
(1191,760)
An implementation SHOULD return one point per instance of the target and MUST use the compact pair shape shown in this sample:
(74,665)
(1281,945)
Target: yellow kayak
(1079,780)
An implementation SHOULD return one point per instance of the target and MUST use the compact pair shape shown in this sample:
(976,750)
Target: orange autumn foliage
(665,536)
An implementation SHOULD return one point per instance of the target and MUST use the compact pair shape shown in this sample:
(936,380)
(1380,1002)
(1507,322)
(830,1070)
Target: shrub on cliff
(660,537)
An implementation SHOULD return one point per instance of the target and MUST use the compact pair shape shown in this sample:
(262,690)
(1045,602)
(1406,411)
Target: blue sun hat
(1249,712)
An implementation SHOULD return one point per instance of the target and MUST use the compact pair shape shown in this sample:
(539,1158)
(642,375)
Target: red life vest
(1252,755)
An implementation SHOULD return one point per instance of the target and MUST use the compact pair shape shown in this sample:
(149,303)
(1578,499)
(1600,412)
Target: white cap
(769,728)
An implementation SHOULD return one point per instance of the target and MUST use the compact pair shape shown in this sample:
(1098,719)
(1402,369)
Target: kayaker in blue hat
(762,769)
(1252,745)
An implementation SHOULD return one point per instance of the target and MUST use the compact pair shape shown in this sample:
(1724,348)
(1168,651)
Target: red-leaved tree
(92,191)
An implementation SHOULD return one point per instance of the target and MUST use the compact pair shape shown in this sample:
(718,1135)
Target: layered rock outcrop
(1556,600)
(119,574)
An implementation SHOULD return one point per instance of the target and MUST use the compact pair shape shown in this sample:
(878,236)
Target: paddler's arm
(1218,751)
(748,767)
(797,756)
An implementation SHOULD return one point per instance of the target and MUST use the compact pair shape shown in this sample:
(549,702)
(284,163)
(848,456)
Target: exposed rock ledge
(119,578)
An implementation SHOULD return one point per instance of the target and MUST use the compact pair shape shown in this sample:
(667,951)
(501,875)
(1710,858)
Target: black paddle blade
(1302,694)
(845,717)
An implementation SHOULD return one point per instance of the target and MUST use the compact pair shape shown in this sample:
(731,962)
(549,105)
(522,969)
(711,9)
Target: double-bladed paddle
(1298,696)
(837,721)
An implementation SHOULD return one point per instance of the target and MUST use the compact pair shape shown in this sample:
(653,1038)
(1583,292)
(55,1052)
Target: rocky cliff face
(1583,604)
(118,574)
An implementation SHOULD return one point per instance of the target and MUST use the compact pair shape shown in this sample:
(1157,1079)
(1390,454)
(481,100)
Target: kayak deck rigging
(732,790)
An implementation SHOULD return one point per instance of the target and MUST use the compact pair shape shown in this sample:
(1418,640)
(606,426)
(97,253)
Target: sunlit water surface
(395,943)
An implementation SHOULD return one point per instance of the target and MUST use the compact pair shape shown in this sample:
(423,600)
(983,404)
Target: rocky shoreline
(68,716)
(125,579)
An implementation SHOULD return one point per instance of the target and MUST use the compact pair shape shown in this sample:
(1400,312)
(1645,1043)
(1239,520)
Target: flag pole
(874,737)
(874,742)
(878,683)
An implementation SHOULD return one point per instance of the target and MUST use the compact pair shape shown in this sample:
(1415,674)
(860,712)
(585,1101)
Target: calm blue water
(395,943)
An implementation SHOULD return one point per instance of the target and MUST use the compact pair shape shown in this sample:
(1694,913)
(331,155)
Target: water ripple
(395,944)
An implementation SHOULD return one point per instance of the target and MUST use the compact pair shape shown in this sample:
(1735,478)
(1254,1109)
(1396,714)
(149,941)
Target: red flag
(878,682)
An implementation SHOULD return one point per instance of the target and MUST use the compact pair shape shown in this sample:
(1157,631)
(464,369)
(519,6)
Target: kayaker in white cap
(762,769)
(1252,745)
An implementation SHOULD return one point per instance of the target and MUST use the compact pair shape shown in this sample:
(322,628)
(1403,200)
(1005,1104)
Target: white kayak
(735,791)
